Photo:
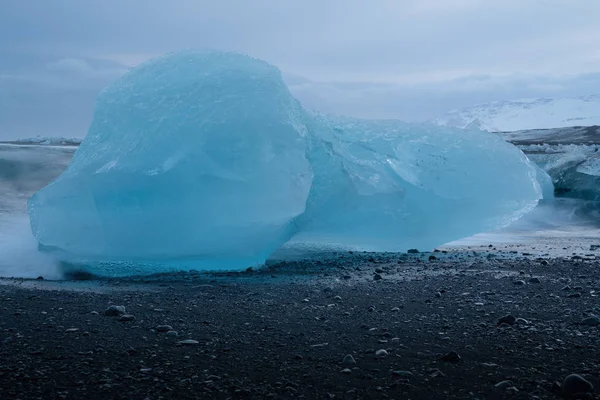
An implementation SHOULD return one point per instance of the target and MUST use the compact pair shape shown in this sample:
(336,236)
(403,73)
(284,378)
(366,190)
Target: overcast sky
(409,59)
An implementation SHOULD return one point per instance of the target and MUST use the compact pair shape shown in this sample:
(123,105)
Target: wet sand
(283,331)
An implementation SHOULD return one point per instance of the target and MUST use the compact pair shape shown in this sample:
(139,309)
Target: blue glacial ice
(203,159)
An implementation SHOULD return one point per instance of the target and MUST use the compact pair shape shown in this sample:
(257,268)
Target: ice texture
(192,155)
(203,159)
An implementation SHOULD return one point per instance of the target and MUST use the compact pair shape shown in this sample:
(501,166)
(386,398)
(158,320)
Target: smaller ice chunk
(391,186)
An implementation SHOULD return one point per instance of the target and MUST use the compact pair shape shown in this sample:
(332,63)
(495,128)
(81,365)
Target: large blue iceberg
(203,159)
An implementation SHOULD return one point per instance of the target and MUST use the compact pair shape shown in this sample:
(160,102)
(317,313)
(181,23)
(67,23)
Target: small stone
(172,333)
(504,385)
(432,258)
(188,342)
(377,277)
(114,311)
(381,353)
(395,309)
(71,330)
(519,283)
(451,357)
(349,360)
(379,270)
(591,321)
(435,373)
(413,251)
(40,278)
(508,319)
(126,318)
(404,374)
(94,313)
(575,384)
(338,298)
(164,328)
(535,279)
(346,371)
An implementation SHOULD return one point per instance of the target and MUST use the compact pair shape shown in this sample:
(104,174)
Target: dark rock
(450,357)
(575,385)
(114,311)
(349,360)
(164,328)
(508,319)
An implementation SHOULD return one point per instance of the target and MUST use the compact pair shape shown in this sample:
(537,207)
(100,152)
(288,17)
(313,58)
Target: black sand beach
(417,326)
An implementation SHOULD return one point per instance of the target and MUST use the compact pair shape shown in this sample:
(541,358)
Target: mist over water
(23,171)
(26,169)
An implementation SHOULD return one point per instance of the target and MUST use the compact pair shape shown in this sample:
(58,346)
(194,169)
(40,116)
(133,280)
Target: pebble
(349,360)
(591,321)
(508,319)
(172,333)
(164,328)
(504,385)
(576,384)
(451,357)
(377,277)
(126,318)
(114,311)
(519,283)
(535,280)
(381,353)
(188,342)
(71,330)
(346,371)
(404,374)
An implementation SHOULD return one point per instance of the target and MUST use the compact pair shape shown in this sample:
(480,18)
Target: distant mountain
(508,116)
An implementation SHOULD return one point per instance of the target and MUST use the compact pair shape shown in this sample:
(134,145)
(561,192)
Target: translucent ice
(194,155)
(389,186)
(204,160)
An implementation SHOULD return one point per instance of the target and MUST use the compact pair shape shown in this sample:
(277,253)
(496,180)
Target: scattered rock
(114,311)
(126,318)
(163,328)
(377,277)
(413,251)
(188,342)
(574,385)
(508,319)
(450,357)
(40,278)
(404,374)
(349,360)
(381,353)
(172,333)
(535,279)
(591,321)
(71,330)
(519,283)
(504,385)
(346,371)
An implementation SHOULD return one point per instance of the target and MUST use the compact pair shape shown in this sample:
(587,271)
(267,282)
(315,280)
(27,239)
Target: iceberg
(204,160)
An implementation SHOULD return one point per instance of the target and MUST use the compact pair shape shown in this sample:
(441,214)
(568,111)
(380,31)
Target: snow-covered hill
(507,116)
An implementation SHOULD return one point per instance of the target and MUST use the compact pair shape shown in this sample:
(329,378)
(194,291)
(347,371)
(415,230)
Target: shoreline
(283,331)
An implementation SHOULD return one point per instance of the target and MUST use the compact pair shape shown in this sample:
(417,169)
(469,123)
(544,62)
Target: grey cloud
(411,59)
